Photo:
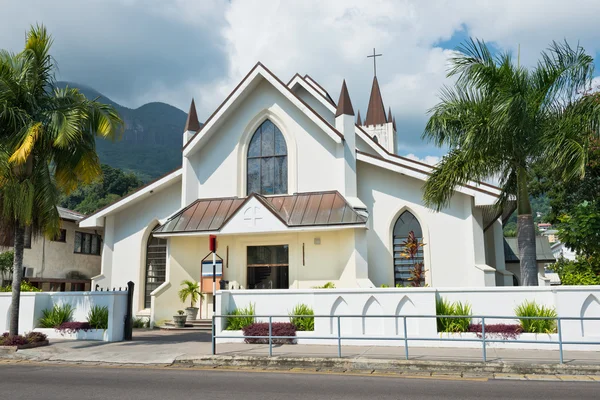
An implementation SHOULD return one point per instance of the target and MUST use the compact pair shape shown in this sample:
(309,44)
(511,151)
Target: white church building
(299,192)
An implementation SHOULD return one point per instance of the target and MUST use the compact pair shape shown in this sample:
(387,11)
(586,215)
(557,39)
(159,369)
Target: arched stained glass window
(156,266)
(405,223)
(267,161)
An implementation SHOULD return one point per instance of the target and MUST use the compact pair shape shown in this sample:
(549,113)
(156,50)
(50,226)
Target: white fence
(573,301)
(33,303)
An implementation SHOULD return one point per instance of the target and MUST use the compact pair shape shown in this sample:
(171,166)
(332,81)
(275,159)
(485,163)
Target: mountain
(152,141)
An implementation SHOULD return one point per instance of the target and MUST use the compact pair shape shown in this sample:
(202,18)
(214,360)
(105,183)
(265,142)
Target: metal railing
(480,336)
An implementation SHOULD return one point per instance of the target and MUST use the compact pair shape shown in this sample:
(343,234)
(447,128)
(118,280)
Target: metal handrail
(483,339)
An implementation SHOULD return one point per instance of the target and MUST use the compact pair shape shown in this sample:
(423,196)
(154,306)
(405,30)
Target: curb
(392,366)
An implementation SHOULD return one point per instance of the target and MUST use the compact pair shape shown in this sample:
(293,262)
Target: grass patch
(452,324)
(303,323)
(240,318)
(55,317)
(532,309)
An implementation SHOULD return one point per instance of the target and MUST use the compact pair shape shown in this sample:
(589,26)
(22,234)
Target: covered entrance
(268,267)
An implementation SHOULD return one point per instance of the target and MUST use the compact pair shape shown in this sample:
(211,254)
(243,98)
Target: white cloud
(431,160)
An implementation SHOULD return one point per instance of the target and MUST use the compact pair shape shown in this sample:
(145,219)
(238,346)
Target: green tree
(7,258)
(502,119)
(580,231)
(47,145)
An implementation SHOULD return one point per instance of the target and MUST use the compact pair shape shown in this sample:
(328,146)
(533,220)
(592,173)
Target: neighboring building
(299,193)
(551,234)
(544,226)
(559,250)
(544,257)
(66,263)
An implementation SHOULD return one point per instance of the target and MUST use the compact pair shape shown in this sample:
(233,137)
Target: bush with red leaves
(277,329)
(73,327)
(16,340)
(505,331)
(36,337)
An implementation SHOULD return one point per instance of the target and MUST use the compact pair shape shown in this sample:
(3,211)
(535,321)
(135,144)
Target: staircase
(200,325)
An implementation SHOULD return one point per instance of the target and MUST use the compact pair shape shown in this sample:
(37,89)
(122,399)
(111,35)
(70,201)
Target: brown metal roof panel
(350,216)
(299,208)
(312,208)
(325,209)
(185,218)
(277,202)
(234,207)
(198,214)
(220,214)
(168,227)
(337,210)
(209,215)
(288,207)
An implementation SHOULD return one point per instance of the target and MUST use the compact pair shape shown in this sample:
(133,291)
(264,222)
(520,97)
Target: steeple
(358,120)
(192,124)
(344,104)
(394,123)
(389,118)
(376,110)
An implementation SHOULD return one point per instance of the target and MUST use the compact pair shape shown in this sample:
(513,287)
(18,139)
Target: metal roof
(543,251)
(296,210)
(70,215)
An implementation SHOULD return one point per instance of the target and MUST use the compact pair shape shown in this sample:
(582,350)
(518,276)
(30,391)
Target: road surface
(43,381)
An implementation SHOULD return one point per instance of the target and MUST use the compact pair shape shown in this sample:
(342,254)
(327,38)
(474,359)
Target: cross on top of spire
(374,56)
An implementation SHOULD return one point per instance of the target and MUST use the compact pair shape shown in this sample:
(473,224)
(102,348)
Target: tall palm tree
(47,145)
(501,119)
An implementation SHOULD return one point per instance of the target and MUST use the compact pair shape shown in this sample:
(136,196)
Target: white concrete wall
(52,259)
(449,235)
(574,301)
(33,303)
(124,253)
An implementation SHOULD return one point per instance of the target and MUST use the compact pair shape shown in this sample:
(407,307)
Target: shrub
(36,337)
(303,323)
(73,327)
(532,309)
(25,287)
(579,272)
(16,340)
(98,317)
(277,329)
(235,322)
(452,324)
(141,323)
(56,316)
(504,331)
(328,285)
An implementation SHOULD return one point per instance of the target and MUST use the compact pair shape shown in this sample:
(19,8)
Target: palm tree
(47,146)
(190,289)
(502,120)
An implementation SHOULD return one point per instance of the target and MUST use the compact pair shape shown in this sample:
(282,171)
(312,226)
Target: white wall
(52,259)
(449,235)
(574,301)
(33,303)
(125,240)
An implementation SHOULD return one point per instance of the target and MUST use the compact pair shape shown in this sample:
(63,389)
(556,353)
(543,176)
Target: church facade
(300,192)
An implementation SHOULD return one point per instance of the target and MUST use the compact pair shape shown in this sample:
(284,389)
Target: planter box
(504,344)
(91,334)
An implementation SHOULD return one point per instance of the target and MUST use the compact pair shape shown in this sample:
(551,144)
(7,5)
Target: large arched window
(267,161)
(403,266)
(156,266)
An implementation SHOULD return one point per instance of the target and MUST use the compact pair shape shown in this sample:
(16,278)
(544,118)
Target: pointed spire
(358,120)
(394,123)
(344,103)
(192,123)
(389,118)
(376,110)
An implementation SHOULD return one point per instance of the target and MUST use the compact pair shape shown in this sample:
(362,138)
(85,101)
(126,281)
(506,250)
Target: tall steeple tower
(381,128)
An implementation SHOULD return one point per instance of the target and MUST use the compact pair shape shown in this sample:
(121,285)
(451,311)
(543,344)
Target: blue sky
(137,51)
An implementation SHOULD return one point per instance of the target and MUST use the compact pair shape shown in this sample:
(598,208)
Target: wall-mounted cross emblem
(251,214)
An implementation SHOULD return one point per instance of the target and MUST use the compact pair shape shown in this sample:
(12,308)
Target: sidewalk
(191,348)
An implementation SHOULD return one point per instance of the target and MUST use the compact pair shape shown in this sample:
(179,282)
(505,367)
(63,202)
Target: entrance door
(268,267)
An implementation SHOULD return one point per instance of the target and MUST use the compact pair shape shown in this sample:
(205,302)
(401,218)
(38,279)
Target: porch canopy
(260,214)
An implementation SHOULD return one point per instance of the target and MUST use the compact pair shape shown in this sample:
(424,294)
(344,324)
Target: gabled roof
(259,71)
(192,123)
(294,211)
(69,215)
(376,110)
(319,88)
(298,80)
(543,252)
(344,104)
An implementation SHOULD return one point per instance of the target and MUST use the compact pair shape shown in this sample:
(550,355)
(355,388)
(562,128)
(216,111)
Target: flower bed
(74,331)
(277,329)
(30,340)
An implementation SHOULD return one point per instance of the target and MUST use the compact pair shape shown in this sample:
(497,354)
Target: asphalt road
(84,382)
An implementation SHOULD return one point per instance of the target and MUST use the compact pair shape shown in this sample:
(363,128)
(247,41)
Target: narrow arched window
(403,265)
(156,266)
(267,161)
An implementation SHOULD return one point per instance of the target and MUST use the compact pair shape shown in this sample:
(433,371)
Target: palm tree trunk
(16,279)
(525,233)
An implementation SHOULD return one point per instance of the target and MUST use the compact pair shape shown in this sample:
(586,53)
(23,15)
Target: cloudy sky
(137,51)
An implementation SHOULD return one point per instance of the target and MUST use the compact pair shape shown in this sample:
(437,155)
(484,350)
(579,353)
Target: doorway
(268,267)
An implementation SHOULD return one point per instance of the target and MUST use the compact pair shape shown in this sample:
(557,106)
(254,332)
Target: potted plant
(179,319)
(190,289)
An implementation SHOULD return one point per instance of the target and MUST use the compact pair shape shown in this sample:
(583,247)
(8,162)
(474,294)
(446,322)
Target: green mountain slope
(152,141)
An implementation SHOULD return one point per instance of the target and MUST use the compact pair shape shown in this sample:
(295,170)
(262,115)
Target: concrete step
(197,325)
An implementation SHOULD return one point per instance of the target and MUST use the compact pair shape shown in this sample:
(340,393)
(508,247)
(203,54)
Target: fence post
(214,340)
(339,332)
(405,338)
(483,338)
(560,343)
(128,326)
(270,340)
